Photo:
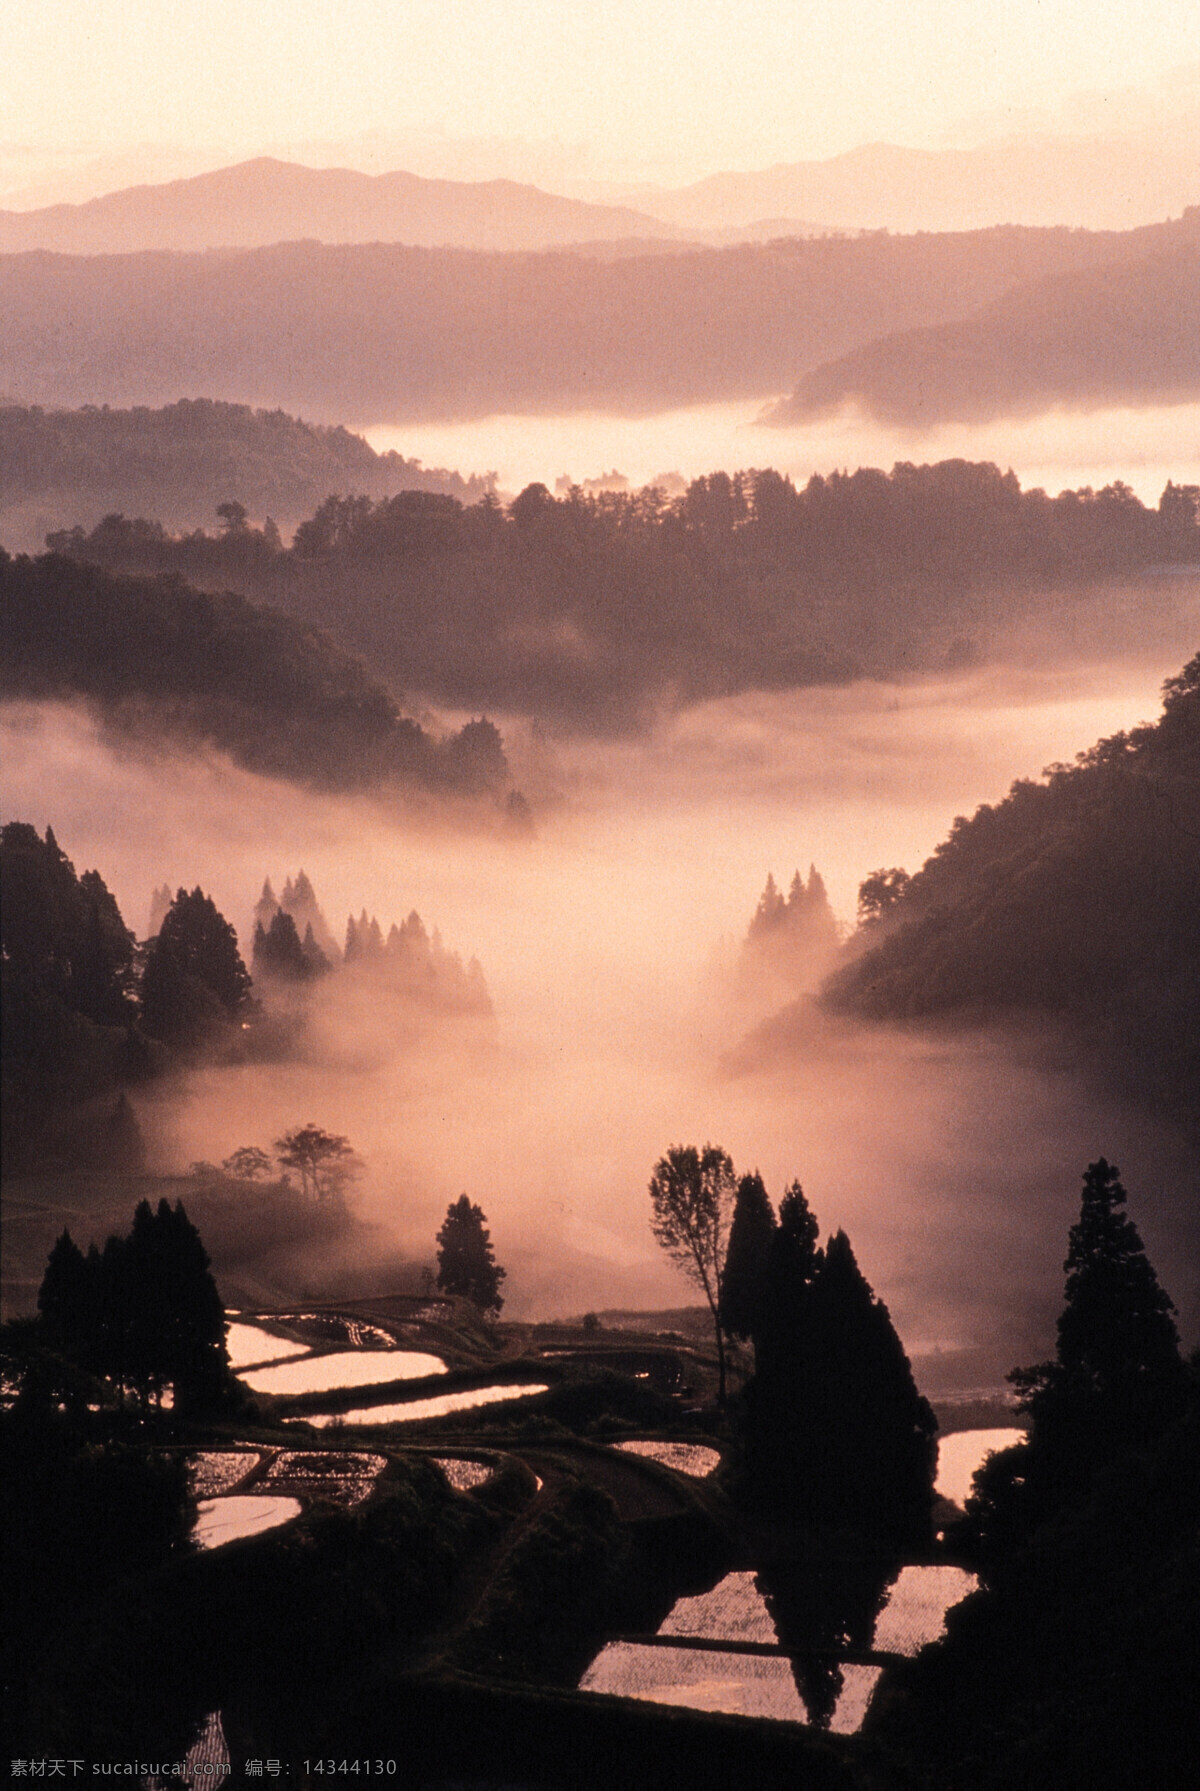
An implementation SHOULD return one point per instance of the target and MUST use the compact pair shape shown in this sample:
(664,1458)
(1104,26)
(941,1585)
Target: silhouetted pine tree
(145,1313)
(840,1438)
(466,1263)
(195,980)
(63,1296)
(278,951)
(744,1281)
(1117,1381)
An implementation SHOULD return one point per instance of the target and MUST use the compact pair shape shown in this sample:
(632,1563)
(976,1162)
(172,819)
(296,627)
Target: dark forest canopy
(1126,333)
(381,332)
(154,658)
(180,462)
(595,607)
(1076,899)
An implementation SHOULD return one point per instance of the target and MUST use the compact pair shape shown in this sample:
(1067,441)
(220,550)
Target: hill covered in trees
(381,332)
(1076,900)
(594,607)
(154,659)
(180,462)
(1125,333)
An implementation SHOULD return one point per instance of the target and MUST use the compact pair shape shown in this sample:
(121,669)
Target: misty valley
(567,1042)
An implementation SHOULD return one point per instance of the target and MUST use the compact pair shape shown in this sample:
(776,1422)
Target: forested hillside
(1128,333)
(379,332)
(156,659)
(1077,899)
(179,463)
(593,607)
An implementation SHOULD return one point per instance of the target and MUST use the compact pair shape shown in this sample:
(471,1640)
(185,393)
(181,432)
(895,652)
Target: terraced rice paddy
(965,1451)
(344,1368)
(735,1611)
(219,1521)
(463,1475)
(248,1344)
(335,1327)
(685,1458)
(214,1471)
(344,1476)
(408,1411)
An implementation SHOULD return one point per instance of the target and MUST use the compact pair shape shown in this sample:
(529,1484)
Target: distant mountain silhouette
(1098,182)
(267,201)
(1125,333)
(379,332)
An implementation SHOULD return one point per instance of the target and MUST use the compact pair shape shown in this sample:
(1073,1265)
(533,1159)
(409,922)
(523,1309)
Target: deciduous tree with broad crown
(325,1160)
(692,1193)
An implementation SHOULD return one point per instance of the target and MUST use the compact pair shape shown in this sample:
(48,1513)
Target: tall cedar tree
(1117,1381)
(145,1312)
(692,1193)
(466,1262)
(195,982)
(743,1285)
(839,1436)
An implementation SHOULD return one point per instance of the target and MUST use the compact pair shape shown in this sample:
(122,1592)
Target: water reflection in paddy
(345,1368)
(735,1611)
(463,1475)
(962,1453)
(229,1520)
(684,1458)
(213,1471)
(411,1409)
(248,1343)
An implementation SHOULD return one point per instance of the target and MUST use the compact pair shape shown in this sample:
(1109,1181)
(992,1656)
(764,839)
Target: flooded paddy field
(409,1411)
(344,1368)
(219,1521)
(962,1454)
(693,1459)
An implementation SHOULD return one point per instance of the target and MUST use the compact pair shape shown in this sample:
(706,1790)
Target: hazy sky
(681,88)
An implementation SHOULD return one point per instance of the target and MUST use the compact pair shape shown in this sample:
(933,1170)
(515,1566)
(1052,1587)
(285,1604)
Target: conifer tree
(145,1312)
(466,1261)
(62,1297)
(1116,1383)
(195,980)
(839,1435)
(744,1282)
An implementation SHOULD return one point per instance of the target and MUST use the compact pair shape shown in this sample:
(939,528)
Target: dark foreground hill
(156,660)
(1128,333)
(379,332)
(1076,900)
(178,463)
(269,201)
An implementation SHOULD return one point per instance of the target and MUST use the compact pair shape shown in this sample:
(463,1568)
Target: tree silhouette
(248,1164)
(325,1160)
(692,1193)
(466,1263)
(744,1283)
(195,981)
(145,1312)
(839,1437)
(1116,1383)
